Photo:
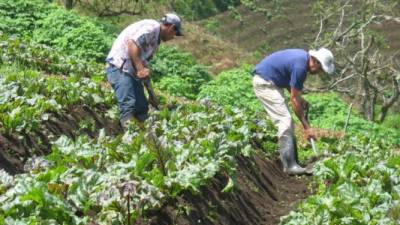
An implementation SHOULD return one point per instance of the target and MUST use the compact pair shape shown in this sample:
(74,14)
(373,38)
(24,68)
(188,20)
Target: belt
(114,66)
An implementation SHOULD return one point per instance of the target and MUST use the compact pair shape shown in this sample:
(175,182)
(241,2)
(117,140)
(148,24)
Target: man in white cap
(288,69)
(128,64)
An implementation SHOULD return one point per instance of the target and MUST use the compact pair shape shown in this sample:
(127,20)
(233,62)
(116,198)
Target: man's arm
(298,106)
(134,53)
(142,71)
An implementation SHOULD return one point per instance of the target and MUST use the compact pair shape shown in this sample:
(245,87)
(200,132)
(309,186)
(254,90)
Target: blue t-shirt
(286,68)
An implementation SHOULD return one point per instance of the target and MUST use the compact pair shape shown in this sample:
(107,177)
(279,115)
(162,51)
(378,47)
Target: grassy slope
(211,50)
(293,26)
(233,43)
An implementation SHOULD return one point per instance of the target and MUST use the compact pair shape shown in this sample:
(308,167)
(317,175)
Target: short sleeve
(141,41)
(147,40)
(297,78)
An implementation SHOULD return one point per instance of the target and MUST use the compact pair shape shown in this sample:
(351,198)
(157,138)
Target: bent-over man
(288,69)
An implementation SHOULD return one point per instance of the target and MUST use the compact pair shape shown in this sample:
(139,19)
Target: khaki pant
(274,103)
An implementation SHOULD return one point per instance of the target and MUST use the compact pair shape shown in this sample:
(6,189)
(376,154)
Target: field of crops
(208,156)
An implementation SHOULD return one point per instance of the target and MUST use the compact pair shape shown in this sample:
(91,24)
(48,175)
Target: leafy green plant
(178,73)
(330,111)
(28,54)
(233,88)
(360,185)
(73,34)
(119,178)
(211,25)
(201,9)
(19,17)
(28,96)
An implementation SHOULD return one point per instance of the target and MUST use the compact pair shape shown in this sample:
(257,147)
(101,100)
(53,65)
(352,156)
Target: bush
(233,88)
(171,68)
(18,17)
(75,35)
(330,111)
(176,85)
(195,9)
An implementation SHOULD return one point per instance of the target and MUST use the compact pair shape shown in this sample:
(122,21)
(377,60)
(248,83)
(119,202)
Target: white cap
(325,57)
(173,19)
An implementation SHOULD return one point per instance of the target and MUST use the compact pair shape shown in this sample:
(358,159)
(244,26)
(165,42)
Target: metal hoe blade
(314,147)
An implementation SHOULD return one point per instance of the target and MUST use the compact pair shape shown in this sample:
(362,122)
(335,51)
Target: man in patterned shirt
(128,64)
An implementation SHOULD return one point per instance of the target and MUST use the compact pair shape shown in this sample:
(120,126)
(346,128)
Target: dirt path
(262,195)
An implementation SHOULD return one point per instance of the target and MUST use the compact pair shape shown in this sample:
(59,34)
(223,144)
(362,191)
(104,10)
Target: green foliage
(329,111)
(211,25)
(392,121)
(233,88)
(73,34)
(28,54)
(19,17)
(178,73)
(29,96)
(235,14)
(182,150)
(199,9)
(49,24)
(177,86)
(360,185)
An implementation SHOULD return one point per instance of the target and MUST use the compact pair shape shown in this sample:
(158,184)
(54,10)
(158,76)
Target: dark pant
(130,94)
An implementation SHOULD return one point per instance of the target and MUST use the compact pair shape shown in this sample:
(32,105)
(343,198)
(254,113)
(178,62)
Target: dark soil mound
(15,149)
(262,194)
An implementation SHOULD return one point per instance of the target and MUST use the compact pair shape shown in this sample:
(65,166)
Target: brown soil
(16,148)
(262,194)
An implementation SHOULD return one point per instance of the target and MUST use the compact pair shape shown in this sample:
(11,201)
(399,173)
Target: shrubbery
(195,9)
(54,26)
(19,17)
(178,73)
(73,34)
(233,88)
(330,111)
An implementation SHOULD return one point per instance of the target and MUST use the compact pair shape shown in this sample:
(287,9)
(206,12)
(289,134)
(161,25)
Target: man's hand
(143,73)
(310,134)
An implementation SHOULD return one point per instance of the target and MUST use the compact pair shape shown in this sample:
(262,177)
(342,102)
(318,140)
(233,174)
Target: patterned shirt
(145,33)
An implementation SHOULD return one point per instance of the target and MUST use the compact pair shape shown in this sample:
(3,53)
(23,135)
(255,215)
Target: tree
(109,7)
(365,71)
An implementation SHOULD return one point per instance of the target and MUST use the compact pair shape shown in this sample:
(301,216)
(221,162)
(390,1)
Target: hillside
(207,155)
(293,26)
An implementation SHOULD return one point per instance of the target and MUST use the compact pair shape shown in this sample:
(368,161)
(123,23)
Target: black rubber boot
(288,153)
(296,155)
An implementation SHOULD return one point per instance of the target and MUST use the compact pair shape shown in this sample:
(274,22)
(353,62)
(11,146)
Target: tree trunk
(69,4)
(389,103)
